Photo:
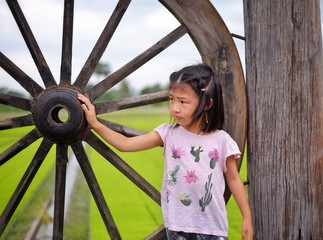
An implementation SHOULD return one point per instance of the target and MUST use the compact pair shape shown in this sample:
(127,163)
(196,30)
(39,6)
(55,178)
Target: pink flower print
(177,152)
(191,177)
(214,154)
(214,157)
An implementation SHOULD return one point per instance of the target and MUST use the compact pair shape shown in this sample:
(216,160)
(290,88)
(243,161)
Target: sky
(144,23)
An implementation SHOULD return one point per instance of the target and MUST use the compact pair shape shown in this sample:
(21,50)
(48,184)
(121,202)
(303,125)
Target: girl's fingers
(85,101)
(82,97)
(243,237)
(84,107)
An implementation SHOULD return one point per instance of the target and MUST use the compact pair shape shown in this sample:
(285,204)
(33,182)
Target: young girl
(197,152)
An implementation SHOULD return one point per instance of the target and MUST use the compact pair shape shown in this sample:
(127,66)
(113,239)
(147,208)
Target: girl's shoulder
(176,130)
(164,127)
(224,135)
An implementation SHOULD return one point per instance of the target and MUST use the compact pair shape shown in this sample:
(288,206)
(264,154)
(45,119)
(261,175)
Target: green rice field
(135,214)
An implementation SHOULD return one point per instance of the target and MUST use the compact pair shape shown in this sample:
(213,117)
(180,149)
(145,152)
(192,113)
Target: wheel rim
(216,47)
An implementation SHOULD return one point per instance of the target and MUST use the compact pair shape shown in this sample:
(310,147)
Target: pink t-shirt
(193,186)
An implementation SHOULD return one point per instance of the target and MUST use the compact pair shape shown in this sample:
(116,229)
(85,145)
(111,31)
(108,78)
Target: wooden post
(285,132)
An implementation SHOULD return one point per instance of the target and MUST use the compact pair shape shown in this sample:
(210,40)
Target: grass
(135,214)
(11,173)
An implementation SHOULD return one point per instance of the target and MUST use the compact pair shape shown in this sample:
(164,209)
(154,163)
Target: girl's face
(183,102)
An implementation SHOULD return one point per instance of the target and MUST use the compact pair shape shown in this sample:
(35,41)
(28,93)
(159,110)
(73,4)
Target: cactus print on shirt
(193,187)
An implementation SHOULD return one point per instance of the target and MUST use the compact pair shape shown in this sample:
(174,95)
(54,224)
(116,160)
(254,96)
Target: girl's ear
(209,104)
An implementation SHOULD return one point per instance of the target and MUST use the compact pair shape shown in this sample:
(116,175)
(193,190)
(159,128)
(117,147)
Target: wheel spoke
(137,62)
(122,166)
(60,182)
(16,122)
(127,131)
(24,142)
(102,43)
(159,233)
(16,102)
(66,66)
(24,183)
(96,190)
(238,36)
(30,40)
(131,102)
(22,78)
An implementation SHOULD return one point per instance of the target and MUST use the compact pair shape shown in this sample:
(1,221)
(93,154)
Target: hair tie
(203,89)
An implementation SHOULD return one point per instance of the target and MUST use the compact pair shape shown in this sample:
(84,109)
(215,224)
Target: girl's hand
(247,229)
(117,140)
(88,109)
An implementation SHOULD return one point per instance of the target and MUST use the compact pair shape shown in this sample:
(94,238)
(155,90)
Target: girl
(197,152)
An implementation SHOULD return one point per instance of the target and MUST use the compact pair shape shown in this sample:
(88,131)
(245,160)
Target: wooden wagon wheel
(207,30)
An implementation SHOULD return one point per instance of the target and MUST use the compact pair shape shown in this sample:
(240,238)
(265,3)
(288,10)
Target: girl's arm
(237,189)
(117,140)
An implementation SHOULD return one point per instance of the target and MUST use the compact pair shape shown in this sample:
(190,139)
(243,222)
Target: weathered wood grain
(285,133)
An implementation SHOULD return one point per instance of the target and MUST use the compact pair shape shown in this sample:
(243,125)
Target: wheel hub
(58,115)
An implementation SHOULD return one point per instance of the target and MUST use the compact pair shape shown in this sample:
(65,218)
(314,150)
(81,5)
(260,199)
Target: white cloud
(145,22)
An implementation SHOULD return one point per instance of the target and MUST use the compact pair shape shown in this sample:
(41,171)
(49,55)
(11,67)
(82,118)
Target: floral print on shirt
(191,177)
(214,157)
(177,152)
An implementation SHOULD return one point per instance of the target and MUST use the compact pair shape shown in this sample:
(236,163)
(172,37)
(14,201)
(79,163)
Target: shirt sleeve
(232,149)
(162,131)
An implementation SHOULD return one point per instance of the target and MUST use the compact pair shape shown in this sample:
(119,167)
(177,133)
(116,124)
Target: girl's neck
(195,128)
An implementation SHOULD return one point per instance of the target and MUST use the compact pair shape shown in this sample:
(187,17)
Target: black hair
(206,85)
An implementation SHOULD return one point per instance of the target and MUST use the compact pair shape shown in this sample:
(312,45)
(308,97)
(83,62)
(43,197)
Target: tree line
(121,90)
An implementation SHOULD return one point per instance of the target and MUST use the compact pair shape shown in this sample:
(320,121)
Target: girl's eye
(171,99)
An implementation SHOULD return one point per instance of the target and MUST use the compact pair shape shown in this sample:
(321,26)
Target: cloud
(145,22)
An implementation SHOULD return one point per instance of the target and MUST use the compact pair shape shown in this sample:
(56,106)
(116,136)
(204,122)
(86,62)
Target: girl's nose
(175,108)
